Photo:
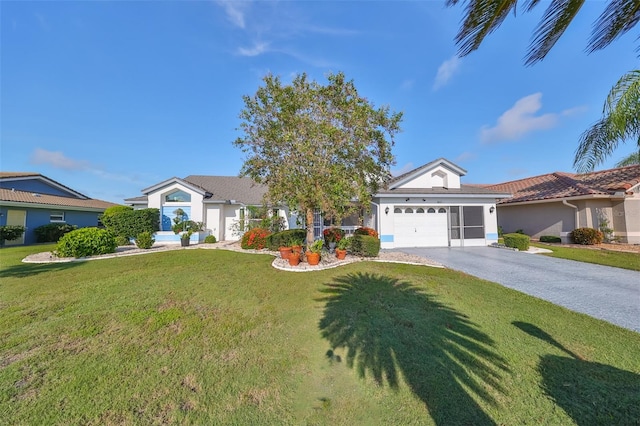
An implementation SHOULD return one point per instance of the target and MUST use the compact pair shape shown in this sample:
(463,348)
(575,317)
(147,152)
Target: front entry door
(16,218)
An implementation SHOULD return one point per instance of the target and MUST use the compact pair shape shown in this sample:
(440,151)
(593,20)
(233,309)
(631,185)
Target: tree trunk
(309,226)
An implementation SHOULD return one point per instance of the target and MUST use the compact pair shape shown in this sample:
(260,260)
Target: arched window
(408,210)
(397,210)
(178,196)
(431,210)
(419,210)
(442,210)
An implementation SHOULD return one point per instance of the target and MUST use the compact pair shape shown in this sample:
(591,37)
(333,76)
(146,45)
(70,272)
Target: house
(32,200)
(557,203)
(427,206)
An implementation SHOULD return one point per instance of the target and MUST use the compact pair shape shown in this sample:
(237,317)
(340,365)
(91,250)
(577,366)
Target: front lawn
(617,259)
(216,337)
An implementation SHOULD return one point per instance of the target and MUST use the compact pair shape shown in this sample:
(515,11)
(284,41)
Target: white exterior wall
(387,230)
(156,200)
(437,177)
(212,220)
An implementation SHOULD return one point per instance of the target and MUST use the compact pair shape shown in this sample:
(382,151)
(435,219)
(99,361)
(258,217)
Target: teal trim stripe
(386,238)
(492,236)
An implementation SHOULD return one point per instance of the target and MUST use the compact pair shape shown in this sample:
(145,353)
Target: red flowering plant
(333,235)
(255,238)
(366,231)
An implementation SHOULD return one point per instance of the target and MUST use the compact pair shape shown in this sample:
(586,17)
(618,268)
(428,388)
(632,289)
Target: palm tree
(621,114)
(630,160)
(620,122)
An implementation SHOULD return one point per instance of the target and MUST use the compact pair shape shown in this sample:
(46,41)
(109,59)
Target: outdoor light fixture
(386,210)
(407,199)
(492,209)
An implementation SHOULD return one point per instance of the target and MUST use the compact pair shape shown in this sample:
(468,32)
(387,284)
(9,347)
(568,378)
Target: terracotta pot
(285,252)
(294,259)
(313,258)
(341,254)
(296,249)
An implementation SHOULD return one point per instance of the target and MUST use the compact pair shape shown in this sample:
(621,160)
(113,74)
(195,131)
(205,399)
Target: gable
(36,183)
(437,174)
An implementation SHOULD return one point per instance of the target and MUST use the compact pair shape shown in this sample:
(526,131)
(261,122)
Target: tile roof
(463,190)
(17,174)
(242,189)
(566,185)
(53,200)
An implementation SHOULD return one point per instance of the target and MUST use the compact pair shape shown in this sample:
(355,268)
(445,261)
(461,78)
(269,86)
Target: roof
(464,190)
(18,174)
(242,189)
(560,185)
(8,195)
(13,176)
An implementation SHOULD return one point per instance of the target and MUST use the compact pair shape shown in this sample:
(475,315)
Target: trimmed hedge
(284,238)
(515,240)
(145,240)
(210,239)
(10,232)
(86,242)
(130,223)
(364,245)
(52,232)
(587,236)
(550,239)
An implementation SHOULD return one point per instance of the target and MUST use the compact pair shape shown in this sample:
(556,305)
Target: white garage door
(420,227)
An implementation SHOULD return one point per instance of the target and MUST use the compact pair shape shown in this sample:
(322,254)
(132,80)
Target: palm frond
(623,106)
(596,144)
(553,24)
(482,18)
(618,18)
(630,160)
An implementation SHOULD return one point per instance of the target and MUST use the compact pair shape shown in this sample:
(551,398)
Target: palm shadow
(29,269)
(590,392)
(390,329)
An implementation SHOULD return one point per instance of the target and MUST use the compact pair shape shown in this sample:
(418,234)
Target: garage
(420,226)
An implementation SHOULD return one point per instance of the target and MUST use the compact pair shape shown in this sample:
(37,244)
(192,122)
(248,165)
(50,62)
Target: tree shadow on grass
(391,328)
(590,392)
(29,269)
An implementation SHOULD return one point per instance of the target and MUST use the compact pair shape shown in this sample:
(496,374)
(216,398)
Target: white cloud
(446,71)
(58,160)
(519,120)
(407,84)
(402,170)
(235,11)
(257,49)
(465,156)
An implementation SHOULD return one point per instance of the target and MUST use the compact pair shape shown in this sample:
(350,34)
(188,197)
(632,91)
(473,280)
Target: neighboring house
(557,203)
(426,207)
(32,200)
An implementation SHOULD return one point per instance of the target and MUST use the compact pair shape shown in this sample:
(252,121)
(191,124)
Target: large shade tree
(316,146)
(618,123)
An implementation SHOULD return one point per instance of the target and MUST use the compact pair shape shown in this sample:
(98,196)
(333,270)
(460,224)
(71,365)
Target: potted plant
(341,249)
(313,252)
(296,246)
(185,238)
(294,258)
(285,252)
(332,236)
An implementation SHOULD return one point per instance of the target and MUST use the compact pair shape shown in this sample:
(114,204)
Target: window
(442,210)
(473,217)
(419,210)
(397,210)
(56,216)
(431,210)
(408,210)
(177,197)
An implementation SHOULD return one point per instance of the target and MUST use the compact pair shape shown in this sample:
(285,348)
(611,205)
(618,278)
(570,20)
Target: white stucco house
(426,207)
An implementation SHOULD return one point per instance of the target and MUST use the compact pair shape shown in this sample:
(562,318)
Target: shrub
(123,241)
(10,232)
(285,238)
(130,223)
(550,239)
(145,240)
(332,235)
(587,236)
(365,245)
(86,242)
(255,238)
(363,230)
(52,232)
(517,240)
(210,239)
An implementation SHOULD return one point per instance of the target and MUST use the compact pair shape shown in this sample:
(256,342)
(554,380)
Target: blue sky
(112,97)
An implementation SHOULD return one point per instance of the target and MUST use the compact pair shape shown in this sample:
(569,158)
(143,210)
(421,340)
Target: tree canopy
(316,146)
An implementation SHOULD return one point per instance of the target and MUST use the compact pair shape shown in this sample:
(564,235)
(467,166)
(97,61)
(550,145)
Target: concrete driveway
(603,292)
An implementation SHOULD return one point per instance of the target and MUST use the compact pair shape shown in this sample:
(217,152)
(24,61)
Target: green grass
(605,257)
(215,337)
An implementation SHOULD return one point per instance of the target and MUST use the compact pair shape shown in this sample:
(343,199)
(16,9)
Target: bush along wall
(587,236)
(131,223)
(86,242)
(365,245)
(550,239)
(518,241)
(52,232)
(285,238)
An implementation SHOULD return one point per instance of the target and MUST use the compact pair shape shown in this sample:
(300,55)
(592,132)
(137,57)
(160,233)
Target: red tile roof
(566,185)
